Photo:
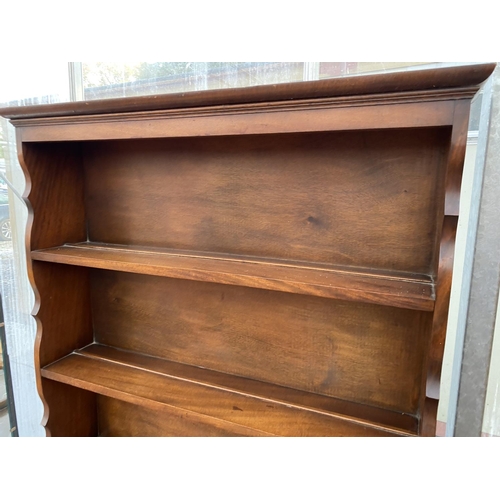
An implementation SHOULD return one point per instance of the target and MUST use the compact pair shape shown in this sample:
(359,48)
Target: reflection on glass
(107,80)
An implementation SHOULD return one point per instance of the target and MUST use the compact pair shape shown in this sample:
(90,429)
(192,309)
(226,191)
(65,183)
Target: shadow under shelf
(240,405)
(389,288)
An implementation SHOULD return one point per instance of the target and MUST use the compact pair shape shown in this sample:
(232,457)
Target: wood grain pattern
(428,80)
(120,419)
(227,121)
(440,320)
(63,324)
(265,391)
(405,290)
(54,196)
(63,309)
(446,250)
(456,158)
(151,389)
(358,352)
(266,261)
(70,411)
(299,196)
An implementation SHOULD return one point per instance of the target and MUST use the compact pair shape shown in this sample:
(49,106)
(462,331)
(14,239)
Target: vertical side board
(51,150)
(56,215)
(454,170)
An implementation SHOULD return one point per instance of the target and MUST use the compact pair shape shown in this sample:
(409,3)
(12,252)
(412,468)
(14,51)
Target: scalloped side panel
(439,327)
(446,246)
(54,196)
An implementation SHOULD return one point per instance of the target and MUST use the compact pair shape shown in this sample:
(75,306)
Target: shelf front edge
(153,382)
(333,283)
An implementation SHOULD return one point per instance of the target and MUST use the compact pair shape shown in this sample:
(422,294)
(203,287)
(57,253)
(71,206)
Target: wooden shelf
(403,290)
(242,406)
(295,240)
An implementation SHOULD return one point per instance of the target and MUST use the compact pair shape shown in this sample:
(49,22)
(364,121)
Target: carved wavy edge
(31,279)
(443,289)
(439,327)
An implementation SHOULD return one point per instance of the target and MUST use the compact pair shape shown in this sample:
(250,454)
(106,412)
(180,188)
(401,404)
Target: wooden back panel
(358,352)
(120,419)
(368,199)
(361,171)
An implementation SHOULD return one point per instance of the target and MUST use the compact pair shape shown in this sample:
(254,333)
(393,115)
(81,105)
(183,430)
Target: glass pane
(105,80)
(22,83)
